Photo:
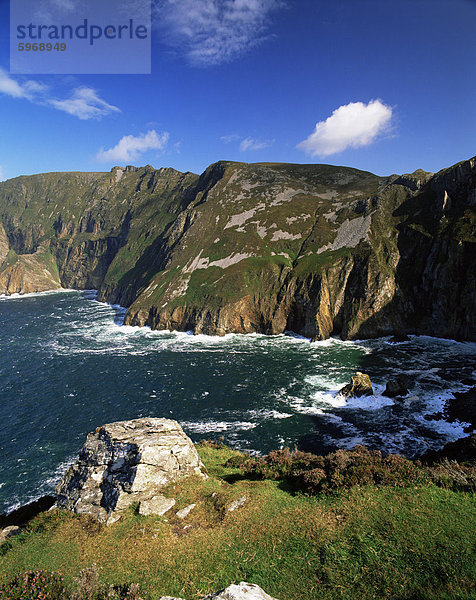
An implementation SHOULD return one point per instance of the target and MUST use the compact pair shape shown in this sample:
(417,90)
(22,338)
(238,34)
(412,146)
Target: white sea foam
(372,402)
(46,485)
(36,294)
(303,406)
(95,328)
(296,336)
(217,426)
(60,470)
(265,414)
(331,381)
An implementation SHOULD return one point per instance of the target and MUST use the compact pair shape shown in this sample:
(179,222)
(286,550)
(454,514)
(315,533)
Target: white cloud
(211,32)
(15,89)
(50,11)
(246,143)
(129,147)
(85,104)
(2,174)
(350,126)
(251,144)
(232,137)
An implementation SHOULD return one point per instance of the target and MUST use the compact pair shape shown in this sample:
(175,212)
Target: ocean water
(68,365)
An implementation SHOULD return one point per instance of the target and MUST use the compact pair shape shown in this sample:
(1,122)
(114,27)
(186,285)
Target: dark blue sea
(68,365)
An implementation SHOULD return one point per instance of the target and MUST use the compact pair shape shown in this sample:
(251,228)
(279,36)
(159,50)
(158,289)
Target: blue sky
(386,86)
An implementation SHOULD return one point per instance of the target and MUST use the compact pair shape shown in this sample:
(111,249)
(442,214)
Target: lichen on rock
(128,462)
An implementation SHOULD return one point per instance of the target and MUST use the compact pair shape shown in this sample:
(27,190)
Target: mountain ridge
(253,247)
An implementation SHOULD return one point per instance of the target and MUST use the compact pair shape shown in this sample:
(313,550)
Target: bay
(68,365)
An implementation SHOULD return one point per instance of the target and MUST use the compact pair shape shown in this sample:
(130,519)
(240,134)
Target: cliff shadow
(119,476)
(153,260)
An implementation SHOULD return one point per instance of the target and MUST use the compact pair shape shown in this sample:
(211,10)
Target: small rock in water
(462,450)
(397,386)
(360,386)
(462,407)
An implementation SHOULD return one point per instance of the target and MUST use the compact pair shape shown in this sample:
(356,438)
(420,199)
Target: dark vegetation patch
(313,474)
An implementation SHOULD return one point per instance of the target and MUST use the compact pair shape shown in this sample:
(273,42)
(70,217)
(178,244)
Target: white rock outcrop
(9,532)
(128,462)
(240,591)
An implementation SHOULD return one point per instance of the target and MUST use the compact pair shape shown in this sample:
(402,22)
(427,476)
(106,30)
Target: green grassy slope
(362,543)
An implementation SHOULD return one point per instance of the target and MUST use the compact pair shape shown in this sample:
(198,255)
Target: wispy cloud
(232,137)
(28,89)
(246,143)
(350,126)
(211,32)
(84,102)
(130,147)
(52,11)
(252,144)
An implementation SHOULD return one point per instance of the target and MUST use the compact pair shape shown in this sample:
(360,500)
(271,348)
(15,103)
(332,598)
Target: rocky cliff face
(316,249)
(128,462)
(27,273)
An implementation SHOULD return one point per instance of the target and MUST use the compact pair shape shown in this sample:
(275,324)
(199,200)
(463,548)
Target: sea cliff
(316,249)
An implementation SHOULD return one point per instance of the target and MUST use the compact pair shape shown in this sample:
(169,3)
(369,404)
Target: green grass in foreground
(360,543)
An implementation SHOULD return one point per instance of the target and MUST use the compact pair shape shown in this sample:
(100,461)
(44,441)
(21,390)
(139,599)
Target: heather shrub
(309,481)
(34,585)
(452,475)
(313,474)
(237,462)
(89,587)
(44,585)
(281,464)
(87,584)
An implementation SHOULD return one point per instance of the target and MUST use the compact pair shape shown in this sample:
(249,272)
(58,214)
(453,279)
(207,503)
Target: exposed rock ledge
(128,462)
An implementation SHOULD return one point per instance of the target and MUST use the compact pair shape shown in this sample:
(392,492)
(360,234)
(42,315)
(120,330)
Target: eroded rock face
(26,273)
(128,462)
(9,532)
(29,273)
(4,245)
